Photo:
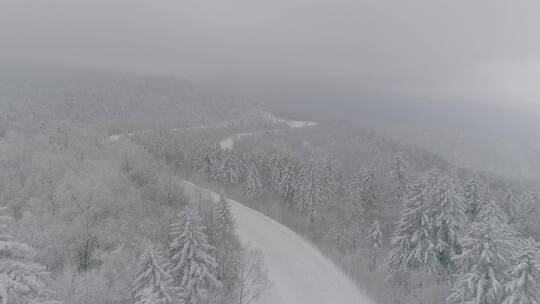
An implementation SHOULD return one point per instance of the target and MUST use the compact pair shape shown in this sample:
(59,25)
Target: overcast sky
(487,50)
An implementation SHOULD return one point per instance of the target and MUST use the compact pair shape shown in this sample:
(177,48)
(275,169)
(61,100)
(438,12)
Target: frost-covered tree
(400,173)
(254,184)
(364,194)
(523,285)
(510,207)
(231,169)
(374,237)
(411,246)
(22,280)
(309,189)
(492,213)
(278,166)
(329,178)
(447,219)
(287,182)
(252,280)
(208,158)
(192,265)
(224,217)
(152,283)
(472,199)
(226,243)
(482,264)
(528,215)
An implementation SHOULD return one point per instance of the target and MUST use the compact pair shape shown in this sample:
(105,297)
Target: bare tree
(252,277)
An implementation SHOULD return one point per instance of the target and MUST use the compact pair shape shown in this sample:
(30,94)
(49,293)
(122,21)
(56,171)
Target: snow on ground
(293,124)
(228,142)
(299,273)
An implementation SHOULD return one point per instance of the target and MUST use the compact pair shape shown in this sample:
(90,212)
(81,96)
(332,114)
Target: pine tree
(329,178)
(277,168)
(364,194)
(208,159)
(482,264)
(374,237)
(204,159)
(253,182)
(226,243)
(153,283)
(400,173)
(523,286)
(473,202)
(287,182)
(192,266)
(509,207)
(411,246)
(492,213)
(230,172)
(528,215)
(447,218)
(22,280)
(309,192)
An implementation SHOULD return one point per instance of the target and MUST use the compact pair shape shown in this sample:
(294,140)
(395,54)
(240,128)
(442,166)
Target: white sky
(484,50)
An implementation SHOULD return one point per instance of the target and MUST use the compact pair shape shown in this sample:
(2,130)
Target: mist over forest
(284,152)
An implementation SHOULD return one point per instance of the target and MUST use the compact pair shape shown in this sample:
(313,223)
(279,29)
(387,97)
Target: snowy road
(299,273)
(228,142)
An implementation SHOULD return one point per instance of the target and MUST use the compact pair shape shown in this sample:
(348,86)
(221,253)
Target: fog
(485,51)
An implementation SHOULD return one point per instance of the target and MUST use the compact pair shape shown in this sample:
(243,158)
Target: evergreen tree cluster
(458,236)
(203,263)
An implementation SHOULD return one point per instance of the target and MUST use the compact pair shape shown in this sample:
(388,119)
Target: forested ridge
(87,220)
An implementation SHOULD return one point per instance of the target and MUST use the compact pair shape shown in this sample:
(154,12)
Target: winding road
(299,273)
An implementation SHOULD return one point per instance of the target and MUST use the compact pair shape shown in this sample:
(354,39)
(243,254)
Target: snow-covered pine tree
(224,217)
(22,280)
(203,160)
(227,244)
(400,173)
(309,189)
(192,265)
(411,247)
(374,237)
(329,178)
(364,194)
(152,283)
(509,207)
(482,263)
(528,214)
(492,213)
(279,166)
(208,159)
(287,182)
(473,201)
(264,164)
(254,184)
(230,172)
(447,217)
(523,285)
(217,156)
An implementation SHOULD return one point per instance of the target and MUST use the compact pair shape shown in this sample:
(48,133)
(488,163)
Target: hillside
(468,134)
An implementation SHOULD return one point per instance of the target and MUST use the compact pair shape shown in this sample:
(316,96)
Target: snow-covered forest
(99,204)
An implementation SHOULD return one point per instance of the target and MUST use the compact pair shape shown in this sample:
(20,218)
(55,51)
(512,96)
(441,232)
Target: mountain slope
(467,134)
(300,274)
